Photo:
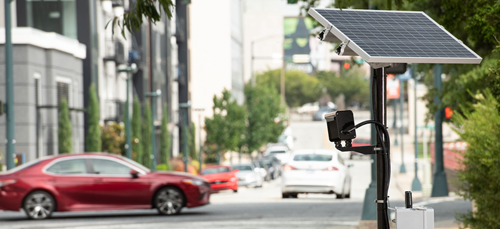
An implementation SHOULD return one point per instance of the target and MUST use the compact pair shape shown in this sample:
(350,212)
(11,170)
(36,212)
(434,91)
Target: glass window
(53,16)
(109,167)
(243,167)
(312,157)
(73,166)
(216,170)
(62,92)
(277,152)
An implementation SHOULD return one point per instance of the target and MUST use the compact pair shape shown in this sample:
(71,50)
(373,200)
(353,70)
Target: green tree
(147,128)
(165,140)
(113,138)
(480,128)
(64,130)
(300,88)
(193,153)
(227,126)
(137,130)
(263,105)
(352,84)
(93,140)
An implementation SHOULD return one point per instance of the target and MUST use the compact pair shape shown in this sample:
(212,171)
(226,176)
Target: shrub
(480,176)
(64,131)
(93,140)
(113,138)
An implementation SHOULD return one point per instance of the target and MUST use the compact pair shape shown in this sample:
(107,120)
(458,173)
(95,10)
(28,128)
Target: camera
(340,126)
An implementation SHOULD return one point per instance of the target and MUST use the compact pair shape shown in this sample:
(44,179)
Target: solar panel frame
(331,28)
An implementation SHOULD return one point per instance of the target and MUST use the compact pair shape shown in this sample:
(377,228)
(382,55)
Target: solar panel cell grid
(396,34)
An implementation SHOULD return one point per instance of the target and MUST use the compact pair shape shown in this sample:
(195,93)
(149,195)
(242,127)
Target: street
(256,207)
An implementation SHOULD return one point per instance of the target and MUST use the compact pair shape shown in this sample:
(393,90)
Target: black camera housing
(338,124)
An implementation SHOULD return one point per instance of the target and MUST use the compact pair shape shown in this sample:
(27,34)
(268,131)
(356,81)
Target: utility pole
(415,185)
(185,107)
(9,88)
(439,184)
(153,96)
(369,207)
(182,37)
(199,110)
(128,144)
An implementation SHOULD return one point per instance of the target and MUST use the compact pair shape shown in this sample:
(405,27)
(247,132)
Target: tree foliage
(193,153)
(64,130)
(147,136)
(113,138)
(93,140)
(137,130)
(151,10)
(165,140)
(351,83)
(480,128)
(227,126)
(300,88)
(263,105)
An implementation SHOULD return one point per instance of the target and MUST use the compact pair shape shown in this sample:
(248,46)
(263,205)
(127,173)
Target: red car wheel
(39,205)
(169,201)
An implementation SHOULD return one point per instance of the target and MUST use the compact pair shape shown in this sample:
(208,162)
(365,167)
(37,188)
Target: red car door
(116,188)
(71,180)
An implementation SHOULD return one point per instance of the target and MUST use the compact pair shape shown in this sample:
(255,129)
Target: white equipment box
(414,218)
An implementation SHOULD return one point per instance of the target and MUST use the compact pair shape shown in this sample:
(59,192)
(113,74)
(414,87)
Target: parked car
(278,150)
(95,181)
(308,108)
(320,114)
(221,177)
(263,170)
(273,168)
(248,175)
(359,142)
(316,171)
(276,164)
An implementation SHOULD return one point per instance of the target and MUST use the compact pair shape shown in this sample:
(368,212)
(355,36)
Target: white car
(278,150)
(248,175)
(316,171)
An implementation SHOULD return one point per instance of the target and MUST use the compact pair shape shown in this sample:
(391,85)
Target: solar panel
(392,37)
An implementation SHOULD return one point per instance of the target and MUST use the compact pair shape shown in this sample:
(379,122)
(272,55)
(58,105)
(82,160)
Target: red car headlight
(193,182)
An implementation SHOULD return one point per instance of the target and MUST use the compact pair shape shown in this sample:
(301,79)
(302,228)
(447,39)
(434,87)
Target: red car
(221,177)
(89,182)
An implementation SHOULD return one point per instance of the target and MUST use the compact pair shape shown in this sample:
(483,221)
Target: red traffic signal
(347,65)
(448,112)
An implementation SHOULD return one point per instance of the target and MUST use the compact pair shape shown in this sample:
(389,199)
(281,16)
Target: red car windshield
(216,170)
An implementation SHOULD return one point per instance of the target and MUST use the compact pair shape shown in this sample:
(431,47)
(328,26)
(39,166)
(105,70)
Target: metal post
(185,117)
(394,124)
(380,113)
(282,79)
(369,207)
(439,184)
(128,145)
(415,185)
(153,134)
(199,135)
(185,139)
(402,169)
(251,65)
(153,155)
(9,88)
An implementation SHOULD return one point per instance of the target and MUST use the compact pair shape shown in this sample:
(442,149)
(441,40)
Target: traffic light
(448,112)
(292,1)
(347,65)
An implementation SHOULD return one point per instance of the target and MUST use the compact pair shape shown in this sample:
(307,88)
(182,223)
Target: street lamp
(153,96)
(185,106)
(199,110)
(128,145)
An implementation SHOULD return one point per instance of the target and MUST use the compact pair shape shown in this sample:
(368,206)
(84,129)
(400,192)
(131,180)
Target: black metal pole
(380,114)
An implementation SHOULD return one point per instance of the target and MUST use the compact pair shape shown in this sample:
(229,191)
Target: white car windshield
(312,157)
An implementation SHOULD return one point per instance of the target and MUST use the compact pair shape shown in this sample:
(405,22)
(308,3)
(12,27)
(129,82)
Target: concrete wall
(50,66)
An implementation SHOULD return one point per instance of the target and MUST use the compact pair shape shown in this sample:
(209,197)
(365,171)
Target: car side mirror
(134,173)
